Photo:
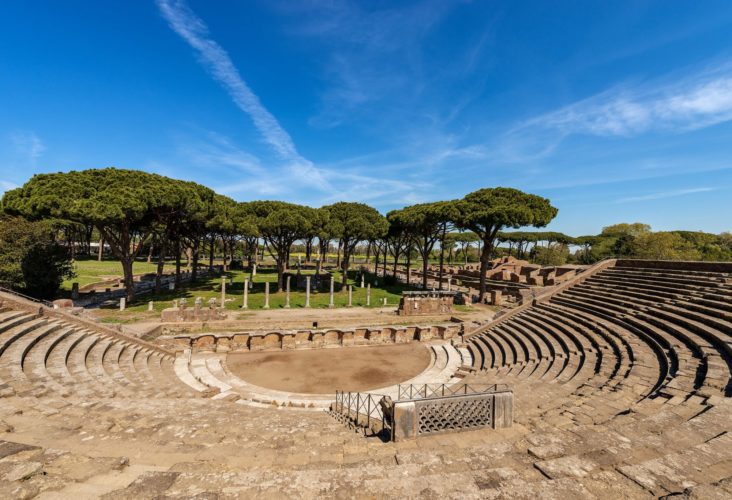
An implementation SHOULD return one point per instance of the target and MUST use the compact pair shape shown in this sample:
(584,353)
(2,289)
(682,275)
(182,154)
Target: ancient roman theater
(613,383)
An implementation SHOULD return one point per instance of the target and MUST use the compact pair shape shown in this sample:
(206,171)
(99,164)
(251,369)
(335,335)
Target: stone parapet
(309,339)
(439,415)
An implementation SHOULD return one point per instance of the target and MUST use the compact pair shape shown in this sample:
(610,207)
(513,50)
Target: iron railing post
(368,411)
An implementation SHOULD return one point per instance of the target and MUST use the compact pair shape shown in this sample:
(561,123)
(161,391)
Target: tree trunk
(376,261)
(196,245)
(177,264)
(161,265)
(344,264)
(409,265)
(396,261)
(442,260)
(308,249)
(323,252)
(484,259)
(100,251)
(280,272)
(212,241)
(129,281)
(338,254)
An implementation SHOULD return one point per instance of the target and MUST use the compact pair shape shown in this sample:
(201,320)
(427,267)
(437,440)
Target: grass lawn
(91,271)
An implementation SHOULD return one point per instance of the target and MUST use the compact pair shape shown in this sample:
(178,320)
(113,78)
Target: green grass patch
(208,288)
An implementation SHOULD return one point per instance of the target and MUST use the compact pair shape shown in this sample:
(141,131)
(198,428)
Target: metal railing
(27,297)
(361,409)
(424,391)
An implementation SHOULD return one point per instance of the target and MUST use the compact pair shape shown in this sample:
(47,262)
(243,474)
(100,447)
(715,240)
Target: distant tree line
(133,211)
(635,240)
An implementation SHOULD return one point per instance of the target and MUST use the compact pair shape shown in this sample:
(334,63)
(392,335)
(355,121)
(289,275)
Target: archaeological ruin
(606,382)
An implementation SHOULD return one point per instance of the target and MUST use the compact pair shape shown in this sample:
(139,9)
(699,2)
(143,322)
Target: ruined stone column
(122,303)
(350,295)
(287,294)
(150,306)
(245,303)
(266,295)
(361,280)
(449,283)
(332,287)
(307,291)
(223,291)
(254,270)
(368,294)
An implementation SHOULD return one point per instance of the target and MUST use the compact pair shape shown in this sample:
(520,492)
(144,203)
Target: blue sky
(616,111)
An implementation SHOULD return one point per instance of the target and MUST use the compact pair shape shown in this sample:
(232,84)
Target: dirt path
(322,371)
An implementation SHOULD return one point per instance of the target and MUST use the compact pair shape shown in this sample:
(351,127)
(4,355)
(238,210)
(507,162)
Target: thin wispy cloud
(376,55)
(699,100)
(216,60)
(27,145)
(216,151)
(665,194)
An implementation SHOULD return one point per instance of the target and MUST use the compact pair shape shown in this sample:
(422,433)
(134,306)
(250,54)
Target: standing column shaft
(307,291)
(332,288)
(266,295)
(245,304)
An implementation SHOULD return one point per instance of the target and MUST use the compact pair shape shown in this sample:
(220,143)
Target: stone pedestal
(496,297)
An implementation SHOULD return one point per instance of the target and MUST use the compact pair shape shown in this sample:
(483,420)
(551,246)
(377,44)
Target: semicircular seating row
(48,360)
(644,352)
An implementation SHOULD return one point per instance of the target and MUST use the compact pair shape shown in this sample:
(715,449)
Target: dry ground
(323,371)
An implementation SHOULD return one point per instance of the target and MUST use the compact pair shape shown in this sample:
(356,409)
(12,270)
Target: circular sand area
(323,371)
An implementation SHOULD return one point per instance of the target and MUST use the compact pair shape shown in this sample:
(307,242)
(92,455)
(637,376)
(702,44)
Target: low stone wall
(308,339)
(439,415)
(418,305)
